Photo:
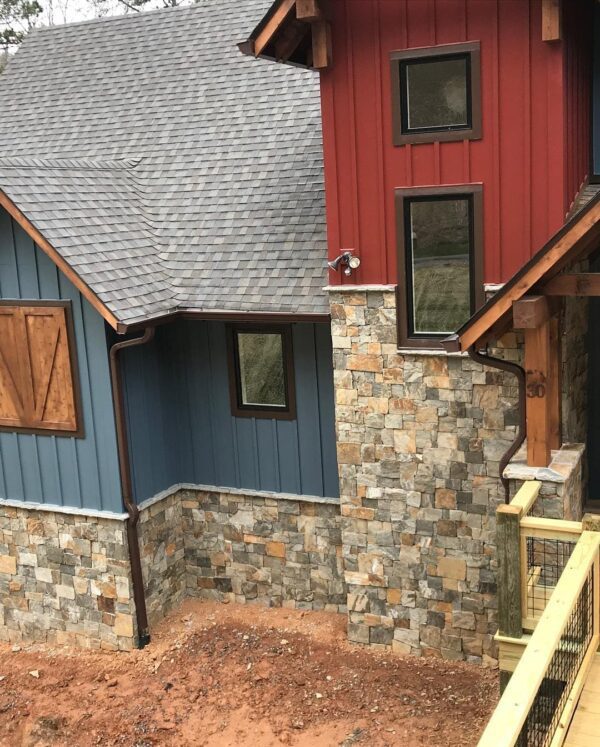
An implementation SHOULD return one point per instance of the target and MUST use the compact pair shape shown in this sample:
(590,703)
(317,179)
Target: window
(261,371)
(439,261)
(39,382)
(436,94)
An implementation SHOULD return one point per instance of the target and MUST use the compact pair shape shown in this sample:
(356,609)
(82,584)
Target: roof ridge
(121,17)
(27,162)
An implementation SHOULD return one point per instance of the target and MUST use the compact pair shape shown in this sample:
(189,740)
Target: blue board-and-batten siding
(181,426)
(63,471)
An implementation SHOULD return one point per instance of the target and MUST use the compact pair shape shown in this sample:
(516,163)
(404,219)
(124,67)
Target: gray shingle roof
(167,168)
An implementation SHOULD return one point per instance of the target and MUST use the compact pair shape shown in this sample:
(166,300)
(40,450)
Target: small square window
(261,372)
(439,262)
(436,94)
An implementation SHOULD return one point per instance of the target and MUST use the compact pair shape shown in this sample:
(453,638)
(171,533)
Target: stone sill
(439,352)
(56,509)
(237,491)
(561,467)
(349,288)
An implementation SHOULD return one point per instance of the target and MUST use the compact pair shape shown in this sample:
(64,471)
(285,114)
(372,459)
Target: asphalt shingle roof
(167,168)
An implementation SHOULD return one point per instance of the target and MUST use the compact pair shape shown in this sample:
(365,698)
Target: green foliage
(17,17)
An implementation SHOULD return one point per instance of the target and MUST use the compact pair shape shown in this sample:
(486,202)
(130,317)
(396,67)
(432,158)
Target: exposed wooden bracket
(308,10)
(321,45)
(273,25)
(288,41)
(575,284)
(551,20)
(530,312)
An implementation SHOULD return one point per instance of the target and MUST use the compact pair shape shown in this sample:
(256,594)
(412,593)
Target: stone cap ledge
(562,465)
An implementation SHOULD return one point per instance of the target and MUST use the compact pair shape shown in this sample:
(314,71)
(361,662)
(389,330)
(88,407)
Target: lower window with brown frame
(39,381)
(261,371)
(440,261)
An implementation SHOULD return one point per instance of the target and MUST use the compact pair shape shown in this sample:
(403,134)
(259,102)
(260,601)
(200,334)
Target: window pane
(261,369)
(440,265)
(437,93)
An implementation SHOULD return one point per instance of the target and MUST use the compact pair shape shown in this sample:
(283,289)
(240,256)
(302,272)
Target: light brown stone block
(275,549)
(453,568)
(8,564)
(348,453)
(371,363)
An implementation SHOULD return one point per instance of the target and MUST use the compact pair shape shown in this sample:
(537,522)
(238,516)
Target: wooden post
(308,10)
(551,20)
(508,538)
(542,369)
(321,45)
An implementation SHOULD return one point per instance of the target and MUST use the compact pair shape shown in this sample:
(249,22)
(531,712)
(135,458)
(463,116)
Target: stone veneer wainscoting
(64,578)
(419,442)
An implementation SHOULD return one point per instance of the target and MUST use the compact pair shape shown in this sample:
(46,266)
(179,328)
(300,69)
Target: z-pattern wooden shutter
(38,370)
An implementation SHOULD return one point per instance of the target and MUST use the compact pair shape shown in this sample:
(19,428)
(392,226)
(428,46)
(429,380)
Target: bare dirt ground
(225,675)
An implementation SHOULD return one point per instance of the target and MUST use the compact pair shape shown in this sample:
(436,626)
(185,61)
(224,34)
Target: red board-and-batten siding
(529,175)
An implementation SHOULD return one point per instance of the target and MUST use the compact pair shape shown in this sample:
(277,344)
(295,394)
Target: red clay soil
(223,675)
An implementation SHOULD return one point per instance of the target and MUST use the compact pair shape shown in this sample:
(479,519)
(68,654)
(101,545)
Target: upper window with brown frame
(440,261)
(39,381)
(436,93)
(261,371)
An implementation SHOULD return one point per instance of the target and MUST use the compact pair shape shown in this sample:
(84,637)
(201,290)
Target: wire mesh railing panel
(553,692)
(546,560)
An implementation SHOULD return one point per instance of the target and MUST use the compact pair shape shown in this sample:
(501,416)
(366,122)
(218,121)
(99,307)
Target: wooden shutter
(38,371)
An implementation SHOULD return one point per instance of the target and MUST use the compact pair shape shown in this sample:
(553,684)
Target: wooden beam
(321,45)
(530,312)
(570,244)
(273,25)
(551,20)
(574,284)
(509,570)
(58,260)
(308,10)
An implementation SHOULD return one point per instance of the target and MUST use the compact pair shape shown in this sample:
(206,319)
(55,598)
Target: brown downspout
(513,368)
(126,484)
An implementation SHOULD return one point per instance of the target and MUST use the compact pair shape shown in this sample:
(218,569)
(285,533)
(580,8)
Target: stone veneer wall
(163,555)
(419,443)
(562,493)
(65,578)
(265,550)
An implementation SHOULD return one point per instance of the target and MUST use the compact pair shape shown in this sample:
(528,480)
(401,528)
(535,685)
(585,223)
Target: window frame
(403,198)
(404,136)
(272,412)
(79,431)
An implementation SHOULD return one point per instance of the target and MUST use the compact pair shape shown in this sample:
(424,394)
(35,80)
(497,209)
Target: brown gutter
(237,316)
(126,484)
(513,368)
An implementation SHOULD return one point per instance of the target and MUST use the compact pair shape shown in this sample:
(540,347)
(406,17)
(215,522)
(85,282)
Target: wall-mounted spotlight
(347,260)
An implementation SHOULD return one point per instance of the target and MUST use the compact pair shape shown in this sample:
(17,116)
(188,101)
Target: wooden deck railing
(532,553)
(538,701)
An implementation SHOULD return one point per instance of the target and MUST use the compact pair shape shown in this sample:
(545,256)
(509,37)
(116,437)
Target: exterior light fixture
(347,260)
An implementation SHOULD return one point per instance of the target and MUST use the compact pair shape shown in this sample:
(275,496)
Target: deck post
(508,535)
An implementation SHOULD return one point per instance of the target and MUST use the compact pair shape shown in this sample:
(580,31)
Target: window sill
(429,352)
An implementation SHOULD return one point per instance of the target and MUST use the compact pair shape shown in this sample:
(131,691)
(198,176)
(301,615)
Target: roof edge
(519,284)
(27,225)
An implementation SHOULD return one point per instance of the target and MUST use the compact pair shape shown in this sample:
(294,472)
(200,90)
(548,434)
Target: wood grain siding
(181,426)
(518,159)
(77,472)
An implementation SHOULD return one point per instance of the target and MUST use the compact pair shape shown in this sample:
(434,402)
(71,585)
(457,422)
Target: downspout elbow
(516,370)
